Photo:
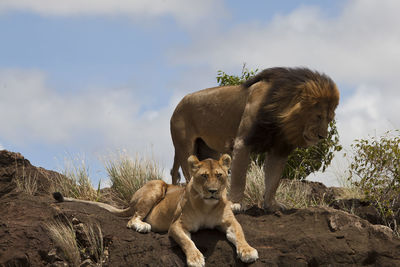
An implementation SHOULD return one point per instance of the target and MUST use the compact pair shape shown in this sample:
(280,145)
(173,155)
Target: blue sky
(92,77)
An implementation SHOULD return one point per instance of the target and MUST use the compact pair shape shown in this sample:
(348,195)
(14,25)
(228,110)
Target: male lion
(161,207)
(275,111)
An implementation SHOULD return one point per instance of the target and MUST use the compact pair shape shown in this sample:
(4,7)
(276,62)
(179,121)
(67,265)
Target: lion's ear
(225,161)
(194,164)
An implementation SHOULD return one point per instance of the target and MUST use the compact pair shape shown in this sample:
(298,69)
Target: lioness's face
(317,120)
(209,177)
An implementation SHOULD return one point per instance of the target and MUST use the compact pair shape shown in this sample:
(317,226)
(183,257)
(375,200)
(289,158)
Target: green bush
(302,161)
(375,169)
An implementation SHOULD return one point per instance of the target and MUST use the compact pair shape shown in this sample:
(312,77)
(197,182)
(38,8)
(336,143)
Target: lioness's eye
(204,175)
(219,175)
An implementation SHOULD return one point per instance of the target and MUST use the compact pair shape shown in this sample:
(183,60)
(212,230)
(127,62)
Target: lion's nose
(212,191)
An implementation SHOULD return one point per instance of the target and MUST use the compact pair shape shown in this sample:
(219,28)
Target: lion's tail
(120,212)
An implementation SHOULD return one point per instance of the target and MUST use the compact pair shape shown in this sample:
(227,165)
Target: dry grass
(291,193)
(295,194)
(27,183)
(348,190)
(128,174)
(94,237)
(63,235)
(75,181)
(254,192)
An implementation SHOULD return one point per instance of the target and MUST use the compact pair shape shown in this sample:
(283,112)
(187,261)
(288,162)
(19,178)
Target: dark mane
(287,84)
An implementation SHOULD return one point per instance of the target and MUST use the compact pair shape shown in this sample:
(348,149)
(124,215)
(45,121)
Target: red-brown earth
(318,236)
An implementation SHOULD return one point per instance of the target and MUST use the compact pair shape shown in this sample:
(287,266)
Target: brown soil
(301,237)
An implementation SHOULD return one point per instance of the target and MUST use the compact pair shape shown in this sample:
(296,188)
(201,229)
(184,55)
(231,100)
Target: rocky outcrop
(299,237)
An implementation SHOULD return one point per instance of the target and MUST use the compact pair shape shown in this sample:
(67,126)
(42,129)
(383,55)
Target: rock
(75,221)
(52,256)
(297,237)
(87,263)
(59,264)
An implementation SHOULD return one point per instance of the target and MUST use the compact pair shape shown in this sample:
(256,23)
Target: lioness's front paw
(139,226)
(247,254)
(195,259)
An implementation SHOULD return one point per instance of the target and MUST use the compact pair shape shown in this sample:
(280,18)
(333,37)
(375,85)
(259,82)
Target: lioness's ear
(225,161)
(193,162)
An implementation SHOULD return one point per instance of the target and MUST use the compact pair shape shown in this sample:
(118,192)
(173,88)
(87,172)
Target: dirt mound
(314,236)
(14,168)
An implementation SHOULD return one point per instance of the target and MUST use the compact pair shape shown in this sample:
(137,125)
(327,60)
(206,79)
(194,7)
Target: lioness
(161,207)
(276,111)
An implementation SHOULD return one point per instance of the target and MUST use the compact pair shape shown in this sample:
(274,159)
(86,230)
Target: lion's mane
(279,114)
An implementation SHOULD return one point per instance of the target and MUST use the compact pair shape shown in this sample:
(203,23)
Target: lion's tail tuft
(58,196)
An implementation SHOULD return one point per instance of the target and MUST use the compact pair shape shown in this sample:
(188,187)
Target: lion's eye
(204,175)
(218,175)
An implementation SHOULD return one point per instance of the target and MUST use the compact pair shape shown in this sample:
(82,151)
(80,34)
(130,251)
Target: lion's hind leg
(143,201)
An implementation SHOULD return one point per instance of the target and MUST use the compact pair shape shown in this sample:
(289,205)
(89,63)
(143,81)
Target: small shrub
(304,161)
(224,79)
(127,175)
(375,169)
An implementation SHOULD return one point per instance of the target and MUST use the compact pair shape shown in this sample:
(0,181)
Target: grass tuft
(75,181)
(63,235)
(27,183)
(94,237)
(128,174)
(291,193)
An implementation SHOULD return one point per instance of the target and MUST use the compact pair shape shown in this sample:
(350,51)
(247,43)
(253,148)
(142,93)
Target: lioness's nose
(212,191)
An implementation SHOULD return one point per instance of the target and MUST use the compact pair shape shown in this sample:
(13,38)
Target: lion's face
(209,177)
(316,121)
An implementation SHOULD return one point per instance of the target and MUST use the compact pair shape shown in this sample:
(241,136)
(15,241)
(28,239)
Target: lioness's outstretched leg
(183,238)
(143,201)
(273,168)
(235,235)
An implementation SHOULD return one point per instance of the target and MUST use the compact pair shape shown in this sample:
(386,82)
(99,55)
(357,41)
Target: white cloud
(97,119)
(360,44)
(185,11)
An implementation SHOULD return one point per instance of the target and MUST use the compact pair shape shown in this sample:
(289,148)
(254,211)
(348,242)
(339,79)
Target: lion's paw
(195,259)
(274,206)
(139,226)
(236,207)
(247,254)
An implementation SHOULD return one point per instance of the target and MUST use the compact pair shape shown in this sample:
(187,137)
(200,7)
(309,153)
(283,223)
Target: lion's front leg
(235,235)
(273,168)
(194,258)
(240,162)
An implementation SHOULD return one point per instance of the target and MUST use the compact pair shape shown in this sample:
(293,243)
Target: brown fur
(276,111)
(160,207)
